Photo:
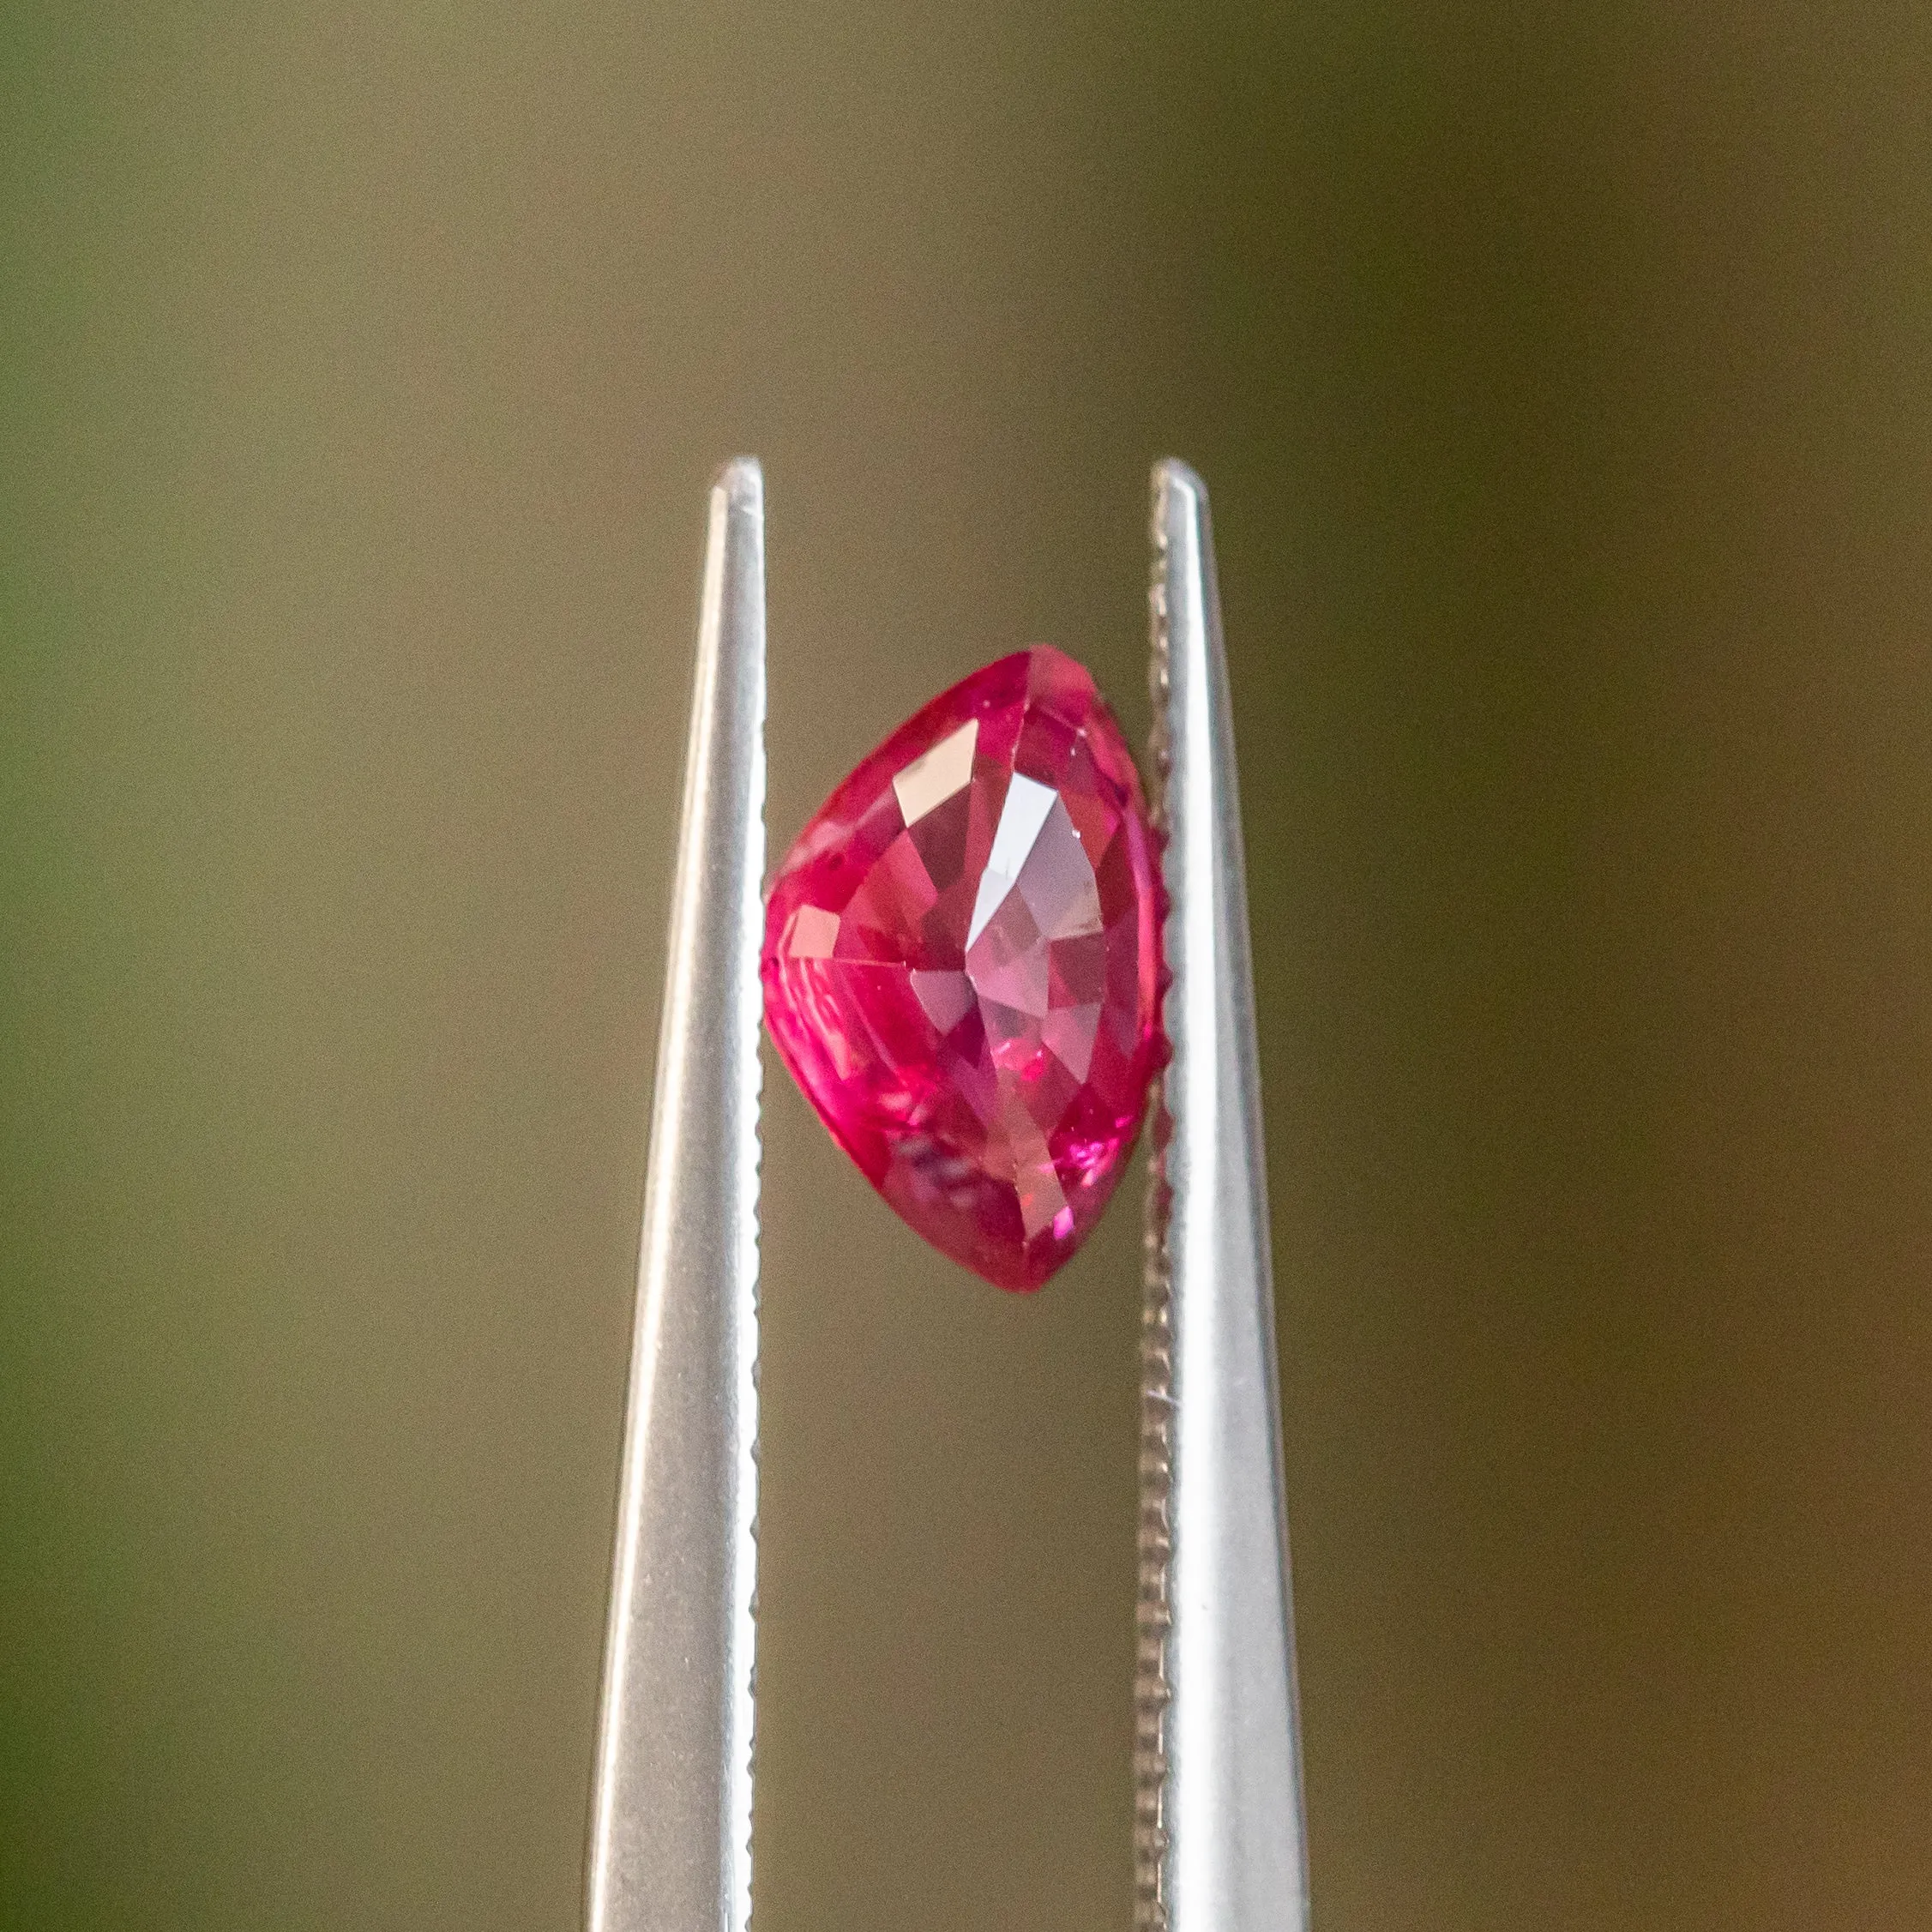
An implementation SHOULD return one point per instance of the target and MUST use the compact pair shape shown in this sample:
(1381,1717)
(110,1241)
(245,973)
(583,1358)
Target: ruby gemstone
(962,965)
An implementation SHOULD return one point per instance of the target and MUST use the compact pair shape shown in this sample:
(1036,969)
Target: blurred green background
(1561,374)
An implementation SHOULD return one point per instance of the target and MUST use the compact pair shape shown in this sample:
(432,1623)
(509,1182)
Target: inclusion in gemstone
(962,968)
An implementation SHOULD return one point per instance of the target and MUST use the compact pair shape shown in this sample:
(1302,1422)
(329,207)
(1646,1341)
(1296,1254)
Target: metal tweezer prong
(670,1809)
(1219,1838)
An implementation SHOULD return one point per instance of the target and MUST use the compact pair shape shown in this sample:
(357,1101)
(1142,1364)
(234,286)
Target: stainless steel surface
(1222,1846)
(671,1823)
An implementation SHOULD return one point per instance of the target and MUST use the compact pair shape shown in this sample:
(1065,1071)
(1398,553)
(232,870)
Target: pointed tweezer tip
(742,481)
(1171,475)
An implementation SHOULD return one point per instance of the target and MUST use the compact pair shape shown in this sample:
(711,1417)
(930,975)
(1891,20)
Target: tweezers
(1220,1843)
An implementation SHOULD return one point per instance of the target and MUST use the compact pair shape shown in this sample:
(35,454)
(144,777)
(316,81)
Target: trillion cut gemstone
(961,965)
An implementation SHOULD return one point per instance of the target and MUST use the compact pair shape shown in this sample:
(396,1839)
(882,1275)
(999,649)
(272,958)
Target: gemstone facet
(962,970)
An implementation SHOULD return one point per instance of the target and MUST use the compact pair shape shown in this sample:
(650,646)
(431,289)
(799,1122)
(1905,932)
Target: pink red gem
(961,965)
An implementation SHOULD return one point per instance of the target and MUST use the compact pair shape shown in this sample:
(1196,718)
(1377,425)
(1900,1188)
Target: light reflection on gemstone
(933,778)
(961,965)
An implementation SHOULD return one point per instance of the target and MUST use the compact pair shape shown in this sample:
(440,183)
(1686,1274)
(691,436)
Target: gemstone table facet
(961,965)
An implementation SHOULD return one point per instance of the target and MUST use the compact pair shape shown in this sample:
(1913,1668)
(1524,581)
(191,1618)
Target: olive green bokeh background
(1561,377)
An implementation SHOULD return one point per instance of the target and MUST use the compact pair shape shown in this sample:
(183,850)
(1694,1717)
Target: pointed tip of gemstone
(962,968)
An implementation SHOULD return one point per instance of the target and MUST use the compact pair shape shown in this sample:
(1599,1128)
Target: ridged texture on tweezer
(1220,1845)
(671,1823)
(1151,1620)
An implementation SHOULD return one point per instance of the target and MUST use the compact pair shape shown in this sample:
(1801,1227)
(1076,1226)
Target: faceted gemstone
(961,965)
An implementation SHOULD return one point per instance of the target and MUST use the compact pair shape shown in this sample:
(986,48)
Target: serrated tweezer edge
(1220,1844)
(671,1810)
